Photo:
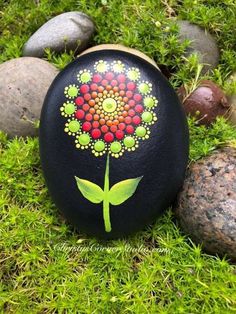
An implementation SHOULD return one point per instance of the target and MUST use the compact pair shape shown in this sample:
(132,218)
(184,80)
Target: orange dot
(126,107)
(100,89)
(115,122)
(102,121)
(91,102)
(96,107)
(125,113)
(115,89)
(98,111)
(109,123)
(94,94)
(125,99)
(102,115)
(92,110)
(121,108)
(97,99)
(122,93)
(108,87)
(121,119)
(96,117)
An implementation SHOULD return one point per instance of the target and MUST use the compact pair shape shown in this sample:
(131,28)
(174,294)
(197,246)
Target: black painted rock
(207,204)
(24,83)
(202,43)
(113,143)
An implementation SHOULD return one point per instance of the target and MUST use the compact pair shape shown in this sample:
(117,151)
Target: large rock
(202,43)
(113,143)
(24,83)
(70,31)
(206,207)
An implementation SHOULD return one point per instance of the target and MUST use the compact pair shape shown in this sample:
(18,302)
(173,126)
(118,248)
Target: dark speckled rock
(206,207)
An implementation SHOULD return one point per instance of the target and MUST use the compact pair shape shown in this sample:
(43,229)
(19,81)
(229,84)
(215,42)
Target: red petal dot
(79,114)
(95,124)
(129,94)
(131,86)
(104,82)
(79,101)
(121,126)
(86,126)
(88,117)
(131,103)
(121,78)
(113,128)
(84,88)
(109,76)
(104,128)
(131,112)
(114,83)
(119,134)
(136,119)
(137,97)
(109,137)
(122,86)
(96,133)
(93,86)
(87,97)
(86,107)
(97,78)
(128,120)
(139,108)
(130,129)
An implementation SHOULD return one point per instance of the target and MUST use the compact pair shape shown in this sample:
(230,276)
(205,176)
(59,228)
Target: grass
(46,266)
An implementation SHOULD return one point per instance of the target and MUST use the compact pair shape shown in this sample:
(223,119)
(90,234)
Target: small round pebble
(206,207)
(202,43)
(24,83)
(206,102)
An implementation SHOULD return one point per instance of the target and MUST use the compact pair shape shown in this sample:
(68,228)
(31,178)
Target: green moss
(41,271)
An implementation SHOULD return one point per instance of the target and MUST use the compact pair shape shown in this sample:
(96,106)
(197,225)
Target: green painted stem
(106,209)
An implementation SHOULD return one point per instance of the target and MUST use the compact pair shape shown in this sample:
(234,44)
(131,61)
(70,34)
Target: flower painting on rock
(110,111)
(113,143)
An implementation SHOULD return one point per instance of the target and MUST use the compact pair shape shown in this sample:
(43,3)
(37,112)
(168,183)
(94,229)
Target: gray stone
(206,207)
(24,83)
(202,43)
(70,31)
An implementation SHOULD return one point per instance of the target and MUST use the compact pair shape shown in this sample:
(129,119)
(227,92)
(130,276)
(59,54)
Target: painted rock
(206,207)
(113,143)
(70,30)
(24,83)
(201,42)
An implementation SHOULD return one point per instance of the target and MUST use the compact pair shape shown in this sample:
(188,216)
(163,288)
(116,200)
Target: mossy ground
(39,272)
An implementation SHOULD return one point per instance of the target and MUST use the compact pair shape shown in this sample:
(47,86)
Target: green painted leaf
(123,190)
(90,190)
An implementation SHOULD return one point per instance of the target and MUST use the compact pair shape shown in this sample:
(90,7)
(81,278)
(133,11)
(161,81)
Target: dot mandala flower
(110,110)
